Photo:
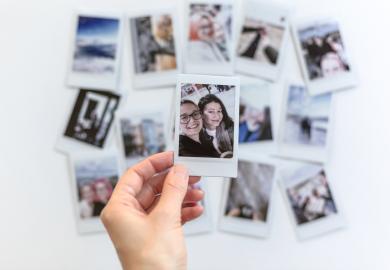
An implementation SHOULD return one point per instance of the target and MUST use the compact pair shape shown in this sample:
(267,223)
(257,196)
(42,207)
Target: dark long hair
(225,130)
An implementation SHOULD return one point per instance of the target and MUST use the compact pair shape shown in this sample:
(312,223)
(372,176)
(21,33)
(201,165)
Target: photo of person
(323,50)
(249,194)
(307,117)
(260,41)
(141,136)
(95,179)
(206,120)
(210,33)
(92,117)
(311,198)
(153,43)
(255,113)
(96,45)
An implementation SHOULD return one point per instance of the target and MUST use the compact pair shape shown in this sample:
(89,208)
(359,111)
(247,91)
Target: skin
(102,192)
(212,115)
(87,194)
(193,127)
(331,64)
(146,229)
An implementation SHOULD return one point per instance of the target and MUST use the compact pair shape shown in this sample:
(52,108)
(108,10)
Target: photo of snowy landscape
(96,45)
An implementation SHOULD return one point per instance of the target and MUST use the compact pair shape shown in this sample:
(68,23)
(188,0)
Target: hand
(145,228)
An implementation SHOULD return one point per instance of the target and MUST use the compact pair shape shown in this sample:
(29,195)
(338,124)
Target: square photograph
(207,120)
(206,124)
(255,112)
(95,53)
(141,136)
(260,41)
(96,45)
(209,40)
(311,199)
(323,50)
(249,195)
(306,120)
(153,43)
(92,117)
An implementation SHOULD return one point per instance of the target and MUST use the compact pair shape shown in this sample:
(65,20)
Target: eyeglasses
(185,119)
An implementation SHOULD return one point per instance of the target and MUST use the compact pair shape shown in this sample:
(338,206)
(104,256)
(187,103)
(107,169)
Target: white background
(37,228)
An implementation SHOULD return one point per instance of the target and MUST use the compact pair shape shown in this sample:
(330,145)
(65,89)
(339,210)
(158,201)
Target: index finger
(135,177)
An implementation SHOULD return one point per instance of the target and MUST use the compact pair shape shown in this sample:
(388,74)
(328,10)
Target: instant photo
(209,40)
(311,201)
(202,224)
(206,129)
(141,136)
(325,62)
(95,175)
(261,44)
(155,50)
(305,124)
(91,119)
(246,204)
(256,112)
(95,52)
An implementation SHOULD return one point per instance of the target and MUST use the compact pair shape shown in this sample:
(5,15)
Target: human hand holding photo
(146,211)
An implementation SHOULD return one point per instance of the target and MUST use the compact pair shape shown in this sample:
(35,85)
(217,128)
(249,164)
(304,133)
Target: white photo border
(93,224)
(258,229)
(269,13)
(156,78)
(208,166)
(342,81)
(219,69)
(98,82)
(320,226)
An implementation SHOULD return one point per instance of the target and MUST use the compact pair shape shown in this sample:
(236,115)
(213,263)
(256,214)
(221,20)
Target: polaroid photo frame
(312,203)
(157,61)
(261,44)
(238,213)
(204,223)
(207,156)
(258,125)
(140,135)
(305,124)
(90,122)
(209,37)
(325,61)
(94,176)
(96,48)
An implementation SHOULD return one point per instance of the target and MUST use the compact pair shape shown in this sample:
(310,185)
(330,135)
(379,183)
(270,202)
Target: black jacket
(191,148)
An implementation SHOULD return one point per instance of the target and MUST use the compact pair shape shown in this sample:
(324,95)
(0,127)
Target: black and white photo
(92,117)
(95,51)
(207,120)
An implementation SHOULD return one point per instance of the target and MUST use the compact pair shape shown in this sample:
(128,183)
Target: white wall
(37,226)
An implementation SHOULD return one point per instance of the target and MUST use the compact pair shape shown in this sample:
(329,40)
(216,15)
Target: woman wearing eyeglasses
(193,140)
(217,124)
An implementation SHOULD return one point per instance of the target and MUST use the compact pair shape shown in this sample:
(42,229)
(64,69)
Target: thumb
(174,190)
